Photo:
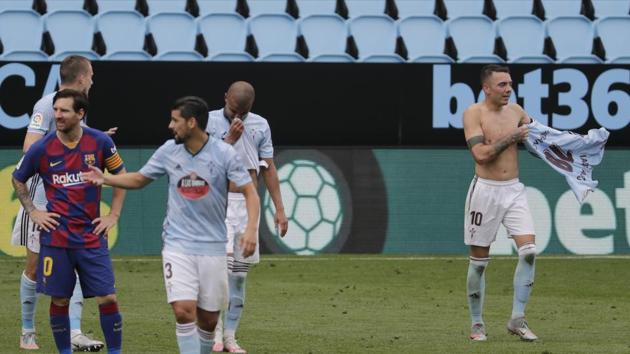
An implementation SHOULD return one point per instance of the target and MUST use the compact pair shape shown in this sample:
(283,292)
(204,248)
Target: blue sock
(187,338)
(206,341)
(523,279)
(111,324)
(60,325)
(236,283)
(28,299)
(476,287)
(76,307)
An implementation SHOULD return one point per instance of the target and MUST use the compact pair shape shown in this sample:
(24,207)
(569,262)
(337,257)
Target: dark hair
(487,71)
(71,67)
(193,107)
(80,101)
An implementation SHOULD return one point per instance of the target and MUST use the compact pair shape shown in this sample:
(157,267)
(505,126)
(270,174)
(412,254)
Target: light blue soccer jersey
(197,194)
(256,128)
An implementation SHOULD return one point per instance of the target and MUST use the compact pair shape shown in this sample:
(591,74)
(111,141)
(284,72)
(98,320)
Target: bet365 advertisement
(381,201)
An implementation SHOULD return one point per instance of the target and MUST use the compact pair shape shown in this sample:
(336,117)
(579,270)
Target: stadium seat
(55,5)
(159,6)
(316,7)
(21,30)
(122,31)
(524,38)
(231,57)
(507,8)
(324,34)
(267,7)
(556,8)
(332,58)
(223,32)
(88,54)
(178,56)
(382,58)
(424,37)
(24,55)
(216,6)
(127,56)
(274,33)
(282,57)
(15,5)
(71,31)
(374,35)
(173,32)
(365,7)
(457,8)
(415,7)
(474,38)
(118,5)
(573,39)
(611,30)
(611,8)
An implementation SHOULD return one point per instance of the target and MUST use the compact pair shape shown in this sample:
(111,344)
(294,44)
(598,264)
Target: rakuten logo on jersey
(68,179)
(607,94)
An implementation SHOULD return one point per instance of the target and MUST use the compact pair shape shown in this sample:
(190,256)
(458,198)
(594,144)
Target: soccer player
(73,235)
(250,135)
(492,129)
(76,73)
(199,168)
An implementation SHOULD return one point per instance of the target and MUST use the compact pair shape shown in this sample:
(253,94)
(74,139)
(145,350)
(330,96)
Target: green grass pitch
(369,304)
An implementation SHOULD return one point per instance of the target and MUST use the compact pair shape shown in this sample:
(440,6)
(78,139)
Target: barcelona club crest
(89,159)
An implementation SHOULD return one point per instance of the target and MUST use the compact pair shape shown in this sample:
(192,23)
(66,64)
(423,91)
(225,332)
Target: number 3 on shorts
(48,264)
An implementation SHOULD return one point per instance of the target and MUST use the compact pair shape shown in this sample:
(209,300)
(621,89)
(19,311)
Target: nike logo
(53,164)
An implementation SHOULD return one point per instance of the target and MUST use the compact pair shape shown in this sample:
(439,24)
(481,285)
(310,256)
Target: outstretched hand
(94,176)
(111,131)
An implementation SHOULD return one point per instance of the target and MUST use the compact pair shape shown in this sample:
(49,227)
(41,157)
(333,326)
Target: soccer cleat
(82,343)
(518,327)
(230,346)
(28,342)
(217,347)
(478,332)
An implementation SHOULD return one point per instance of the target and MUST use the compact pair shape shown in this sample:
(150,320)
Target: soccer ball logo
(315,206)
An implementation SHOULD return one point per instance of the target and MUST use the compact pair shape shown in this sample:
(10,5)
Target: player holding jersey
(71,238)
(250,135)
(199,169)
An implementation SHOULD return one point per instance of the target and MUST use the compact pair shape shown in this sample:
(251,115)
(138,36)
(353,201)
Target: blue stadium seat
(118,5)
(507,8)
(223,32)
(457,8)
(524,38)
(424,37)
(15,5)
(415,7)
(122,30)
(282,57)
(365,7)
(88,54)
(231,57)
(382,58)
(21,30)
(266,7)
(374,35)
(611,7)
(127,56)
(573,39)
(71,31)
(474,38)
(316,7)
(216,6)
(324,34)
(332,58)
(274,33)
(178,56)
(159,6)
(24,55)
(173,32)
(54,5)
(555,8)
(614,31)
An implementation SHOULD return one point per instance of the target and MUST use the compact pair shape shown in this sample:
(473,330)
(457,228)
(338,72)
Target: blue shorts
(56,271)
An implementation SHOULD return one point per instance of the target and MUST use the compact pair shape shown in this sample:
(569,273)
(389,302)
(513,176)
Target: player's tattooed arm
(21,191)
(479,139)
(519,134)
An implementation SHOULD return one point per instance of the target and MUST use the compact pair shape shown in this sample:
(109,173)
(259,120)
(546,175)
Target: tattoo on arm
(504,143)
(22,193)
(474,141)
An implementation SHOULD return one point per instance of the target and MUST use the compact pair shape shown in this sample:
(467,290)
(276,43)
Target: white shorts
(236,223)
(198,278)
(25,231)
(491,203)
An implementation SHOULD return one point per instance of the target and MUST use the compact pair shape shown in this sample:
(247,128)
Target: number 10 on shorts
(475,218)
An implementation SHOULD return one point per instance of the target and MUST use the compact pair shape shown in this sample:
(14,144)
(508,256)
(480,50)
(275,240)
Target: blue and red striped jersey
(77,202)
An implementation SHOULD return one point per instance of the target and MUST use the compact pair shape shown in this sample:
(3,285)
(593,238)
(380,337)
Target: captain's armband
(474,141)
